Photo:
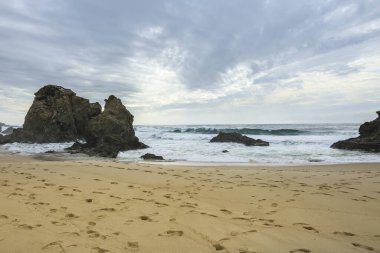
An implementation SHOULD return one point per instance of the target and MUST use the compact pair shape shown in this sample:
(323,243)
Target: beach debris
(368,139)
(238,138)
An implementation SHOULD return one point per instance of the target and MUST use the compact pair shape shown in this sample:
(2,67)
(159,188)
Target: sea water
(289,144)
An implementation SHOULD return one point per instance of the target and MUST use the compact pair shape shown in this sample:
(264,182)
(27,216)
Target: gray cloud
(210,53)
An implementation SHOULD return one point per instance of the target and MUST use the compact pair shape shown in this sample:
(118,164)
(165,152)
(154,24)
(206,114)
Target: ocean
(289,144)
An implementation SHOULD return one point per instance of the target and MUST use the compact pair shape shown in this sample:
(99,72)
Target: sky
(197,61)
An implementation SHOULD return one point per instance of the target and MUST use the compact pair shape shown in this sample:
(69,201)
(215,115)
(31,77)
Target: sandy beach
(109,206)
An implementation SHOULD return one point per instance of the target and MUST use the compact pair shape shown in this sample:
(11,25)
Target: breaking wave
(251,131)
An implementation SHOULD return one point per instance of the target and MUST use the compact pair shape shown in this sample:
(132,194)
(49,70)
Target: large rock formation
(109,132)
(368,140)
(58,115)
(238,138)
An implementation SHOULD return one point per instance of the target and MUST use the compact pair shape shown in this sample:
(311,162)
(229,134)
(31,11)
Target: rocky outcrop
(58,115)
(109,132)
(149,156)
(368,139)
(238,138)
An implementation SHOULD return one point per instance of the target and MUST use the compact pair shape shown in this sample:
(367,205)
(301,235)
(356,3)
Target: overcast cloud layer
(214,61)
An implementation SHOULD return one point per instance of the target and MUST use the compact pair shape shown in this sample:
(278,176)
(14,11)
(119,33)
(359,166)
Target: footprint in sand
(172,233)
(107,209)
(218,246)
(133,245)
(343,233)
(300,251)
(71,215)
(306,226)
(145,218)
(26,227)
(310,228)
(93,234)
(226,211)
(209,214)
(52,244)
(57,223)
(358,245)
(73,234)
(99,250)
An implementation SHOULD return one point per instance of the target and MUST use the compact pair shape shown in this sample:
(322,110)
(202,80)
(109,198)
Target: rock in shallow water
(149,156)
(368,140)
(109,132)
(238,138)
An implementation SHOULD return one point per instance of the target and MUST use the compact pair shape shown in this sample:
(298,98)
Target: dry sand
(108,206)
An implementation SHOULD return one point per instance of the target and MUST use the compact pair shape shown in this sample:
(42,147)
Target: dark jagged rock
(315,160)
(238,138)
(368,139)
(58,115)
(149,156)
(109,132)
(225,151)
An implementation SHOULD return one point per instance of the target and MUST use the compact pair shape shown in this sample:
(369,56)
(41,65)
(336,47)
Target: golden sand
(109,206)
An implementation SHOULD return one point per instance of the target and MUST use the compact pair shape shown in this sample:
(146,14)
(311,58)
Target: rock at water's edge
(238,138)
(109,132)
(368,139)
(149,156)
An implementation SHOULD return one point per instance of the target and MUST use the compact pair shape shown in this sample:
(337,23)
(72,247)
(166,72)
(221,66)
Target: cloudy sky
(197,61)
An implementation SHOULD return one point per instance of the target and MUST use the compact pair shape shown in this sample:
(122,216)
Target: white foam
(33,148)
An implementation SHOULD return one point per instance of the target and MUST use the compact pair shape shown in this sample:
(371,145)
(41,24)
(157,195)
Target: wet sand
(109,206)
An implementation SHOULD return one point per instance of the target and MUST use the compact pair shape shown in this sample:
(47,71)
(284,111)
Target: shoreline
(63,156)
